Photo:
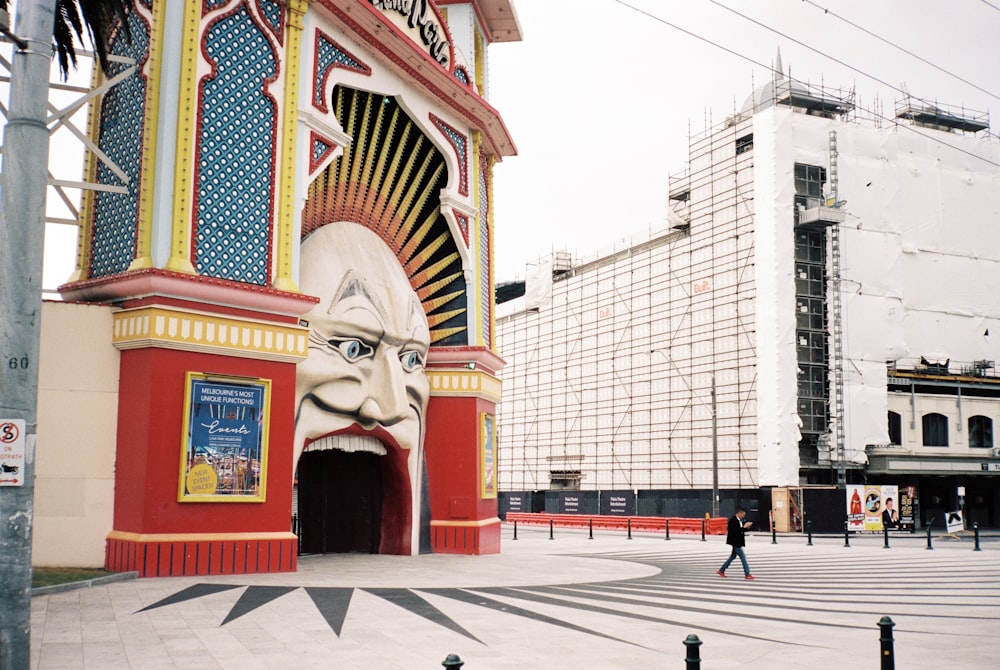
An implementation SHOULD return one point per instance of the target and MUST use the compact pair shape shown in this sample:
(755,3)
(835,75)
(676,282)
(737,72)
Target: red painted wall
(150,429)
(453,454)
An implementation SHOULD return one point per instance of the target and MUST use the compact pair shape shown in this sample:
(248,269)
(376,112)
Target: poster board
(487,456)
(224,444)
(874,508)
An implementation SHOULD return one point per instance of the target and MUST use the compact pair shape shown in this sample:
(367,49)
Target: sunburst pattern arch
(389,179)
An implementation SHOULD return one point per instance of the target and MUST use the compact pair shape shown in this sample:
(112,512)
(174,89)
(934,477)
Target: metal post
(630,528)
(550,530)
(452,661)
(847,534)
(715,454)
(591,536)
(692,658)
(885,625)
(702,530)
(885,532)
(515,529)
(666,528)
(22,238)
(774,535)
(975,529)
(809,533)
(929,533)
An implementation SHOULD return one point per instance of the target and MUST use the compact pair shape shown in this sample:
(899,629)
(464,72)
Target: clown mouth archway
(340,502)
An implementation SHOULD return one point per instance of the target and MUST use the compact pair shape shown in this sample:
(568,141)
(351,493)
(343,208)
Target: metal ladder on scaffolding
(836,323)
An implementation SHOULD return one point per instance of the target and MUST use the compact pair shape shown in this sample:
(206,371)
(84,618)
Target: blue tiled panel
(120,137)
(236,160)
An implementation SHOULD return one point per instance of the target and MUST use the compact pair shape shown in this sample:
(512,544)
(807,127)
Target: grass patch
(52,576)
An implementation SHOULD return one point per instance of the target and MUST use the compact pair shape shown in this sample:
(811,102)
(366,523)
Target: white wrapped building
(818,311)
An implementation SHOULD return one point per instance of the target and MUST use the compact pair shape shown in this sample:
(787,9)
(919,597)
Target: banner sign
(874,508)
(225,443)
(488,457)
(618,503)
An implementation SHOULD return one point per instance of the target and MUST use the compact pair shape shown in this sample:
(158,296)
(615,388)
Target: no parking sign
(11,452)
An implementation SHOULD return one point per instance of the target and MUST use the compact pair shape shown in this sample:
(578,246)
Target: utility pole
(22,232)
(715,454)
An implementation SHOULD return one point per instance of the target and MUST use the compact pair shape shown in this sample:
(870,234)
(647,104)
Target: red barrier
(649,524)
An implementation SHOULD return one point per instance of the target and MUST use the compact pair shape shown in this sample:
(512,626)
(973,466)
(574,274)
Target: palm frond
(97,20)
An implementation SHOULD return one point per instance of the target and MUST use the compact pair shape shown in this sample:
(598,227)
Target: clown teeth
(348,443)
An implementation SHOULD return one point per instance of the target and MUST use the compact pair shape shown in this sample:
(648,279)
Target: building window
(980,432)
(744,144)
(809,180)
(935,430)
(895,428)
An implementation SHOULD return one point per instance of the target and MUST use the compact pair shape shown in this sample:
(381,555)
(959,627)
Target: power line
(813,49)
(770,68)
(904,50)
(989,4)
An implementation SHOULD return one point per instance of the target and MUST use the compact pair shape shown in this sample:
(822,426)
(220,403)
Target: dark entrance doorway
(340,502)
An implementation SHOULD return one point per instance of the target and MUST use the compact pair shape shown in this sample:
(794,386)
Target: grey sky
(600,98)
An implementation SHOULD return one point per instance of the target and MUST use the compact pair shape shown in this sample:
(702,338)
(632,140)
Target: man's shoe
(750,577)
(720,573)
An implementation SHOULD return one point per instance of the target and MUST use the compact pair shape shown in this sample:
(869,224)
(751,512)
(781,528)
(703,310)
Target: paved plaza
(568,602)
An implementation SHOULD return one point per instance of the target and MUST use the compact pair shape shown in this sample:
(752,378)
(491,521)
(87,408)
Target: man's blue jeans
(737,551)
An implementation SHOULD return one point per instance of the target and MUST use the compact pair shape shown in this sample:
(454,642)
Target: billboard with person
(877,507)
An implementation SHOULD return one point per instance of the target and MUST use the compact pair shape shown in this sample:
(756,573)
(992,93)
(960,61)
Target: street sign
(12,452)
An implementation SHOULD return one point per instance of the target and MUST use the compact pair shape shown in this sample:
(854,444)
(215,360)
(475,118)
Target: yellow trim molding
(285,226)
(168,328)
(187,118)
(457,383)
(144,225)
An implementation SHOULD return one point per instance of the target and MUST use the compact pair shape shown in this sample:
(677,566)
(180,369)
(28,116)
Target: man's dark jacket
(734,532)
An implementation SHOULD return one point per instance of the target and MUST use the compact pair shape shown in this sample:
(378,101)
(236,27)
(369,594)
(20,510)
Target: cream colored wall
(77,417)
(958,420)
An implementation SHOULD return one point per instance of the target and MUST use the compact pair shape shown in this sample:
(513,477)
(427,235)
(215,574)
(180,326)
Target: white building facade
(828,280)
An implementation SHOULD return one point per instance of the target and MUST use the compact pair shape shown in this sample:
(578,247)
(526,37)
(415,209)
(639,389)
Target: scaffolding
(609,381)
(610,386)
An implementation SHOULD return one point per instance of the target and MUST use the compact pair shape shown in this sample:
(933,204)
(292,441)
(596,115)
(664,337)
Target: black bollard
(666,529)
(630,528)
(929,546)
(515,529)
(885,625)
(550,530)
(693,656)
(453,661)
(591,525)
(774,535)
(809,533)
(885,532)
(975,529)
(847,534)
(702,530)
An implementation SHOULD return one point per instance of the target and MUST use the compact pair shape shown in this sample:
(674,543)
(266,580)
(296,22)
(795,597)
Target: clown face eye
(411,360)
(352,349)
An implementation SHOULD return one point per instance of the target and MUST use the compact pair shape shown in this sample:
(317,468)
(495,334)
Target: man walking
(735,537)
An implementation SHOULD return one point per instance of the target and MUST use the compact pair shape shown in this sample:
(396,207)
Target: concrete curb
(86,584)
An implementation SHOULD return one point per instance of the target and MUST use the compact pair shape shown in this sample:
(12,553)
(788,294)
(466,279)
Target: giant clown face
(363,386)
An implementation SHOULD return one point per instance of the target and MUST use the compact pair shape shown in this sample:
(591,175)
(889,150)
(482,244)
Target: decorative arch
(389,179)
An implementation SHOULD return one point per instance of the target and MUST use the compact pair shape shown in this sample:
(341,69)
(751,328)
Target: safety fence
(648,524)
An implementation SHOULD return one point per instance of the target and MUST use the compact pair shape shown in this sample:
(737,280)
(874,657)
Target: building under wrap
(818,311)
